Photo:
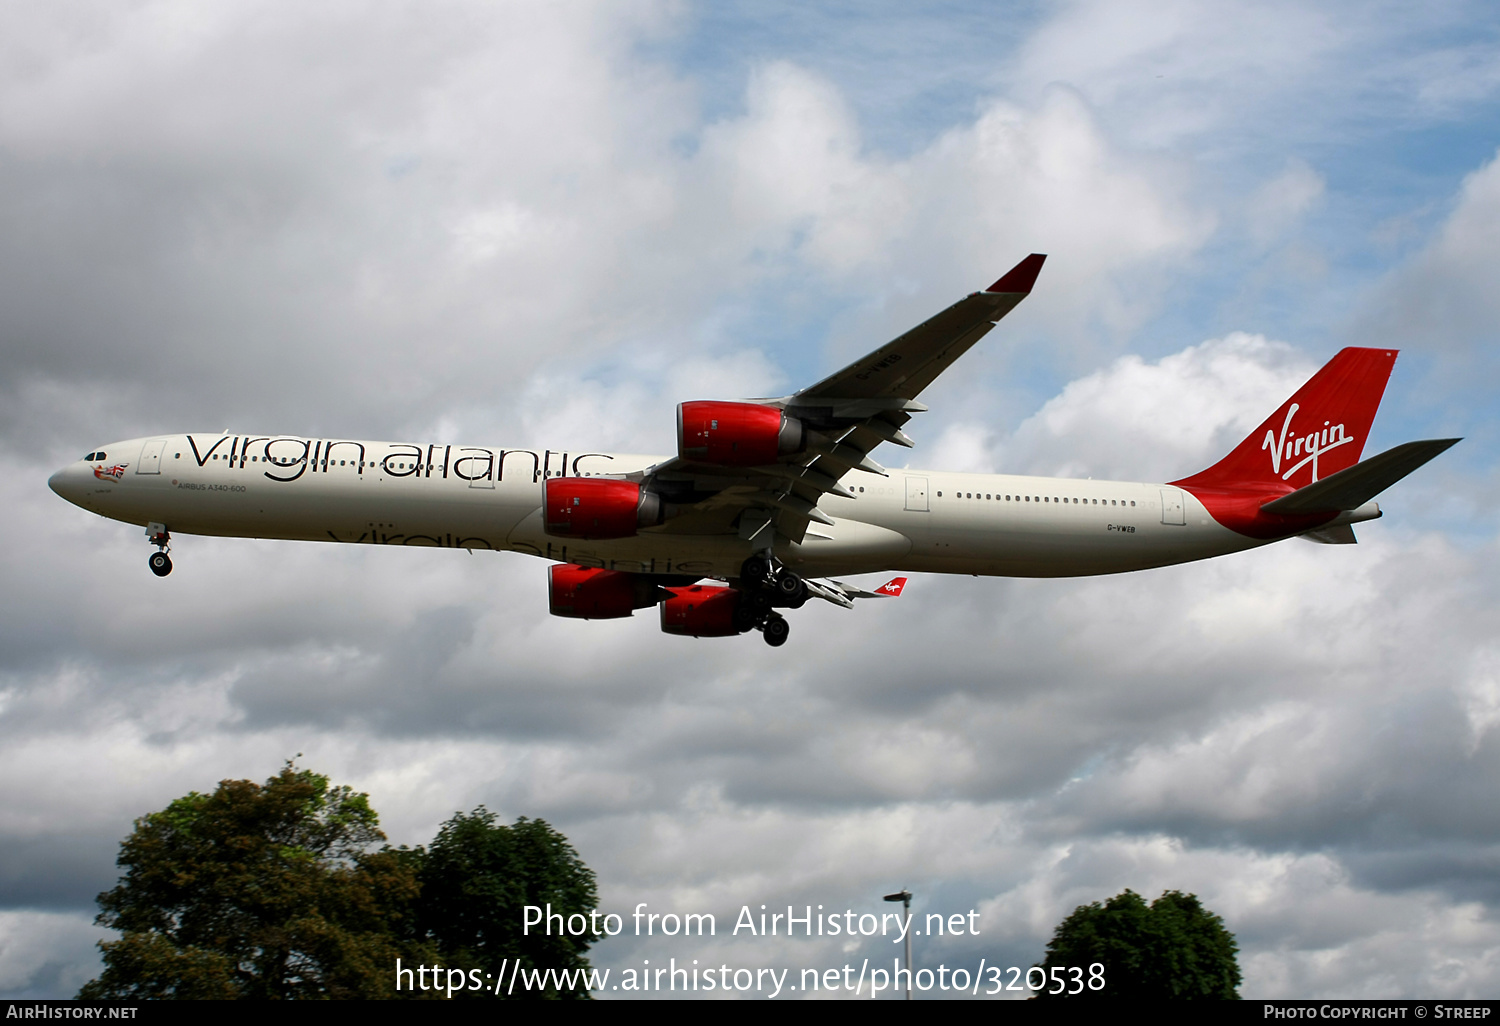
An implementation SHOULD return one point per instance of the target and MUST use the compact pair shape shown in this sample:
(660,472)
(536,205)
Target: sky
(545,225)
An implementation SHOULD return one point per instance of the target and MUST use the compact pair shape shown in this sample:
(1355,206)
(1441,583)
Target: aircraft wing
(846,415)
(841,594)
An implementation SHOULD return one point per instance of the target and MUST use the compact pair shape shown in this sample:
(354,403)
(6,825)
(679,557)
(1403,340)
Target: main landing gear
(767,585)
(160,563)
(775,630)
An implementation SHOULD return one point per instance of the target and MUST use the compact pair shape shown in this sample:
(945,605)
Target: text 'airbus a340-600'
(769,500)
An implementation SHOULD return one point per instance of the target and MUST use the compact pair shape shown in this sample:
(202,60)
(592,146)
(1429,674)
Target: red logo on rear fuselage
(1309,447)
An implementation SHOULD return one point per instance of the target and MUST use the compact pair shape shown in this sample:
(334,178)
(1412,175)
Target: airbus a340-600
(767,500)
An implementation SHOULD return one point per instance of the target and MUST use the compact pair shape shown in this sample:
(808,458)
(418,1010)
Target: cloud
(1446,295)
(1302,925)
(45,955)
(1280,203)
(1182,67)
(1138,420)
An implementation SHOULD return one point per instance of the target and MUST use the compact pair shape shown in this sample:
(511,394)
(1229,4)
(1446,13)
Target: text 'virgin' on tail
(1318,431)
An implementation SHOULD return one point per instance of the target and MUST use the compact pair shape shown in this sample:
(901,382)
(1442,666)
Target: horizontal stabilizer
(1354,486)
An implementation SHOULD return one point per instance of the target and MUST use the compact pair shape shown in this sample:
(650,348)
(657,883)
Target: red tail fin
(1319,430)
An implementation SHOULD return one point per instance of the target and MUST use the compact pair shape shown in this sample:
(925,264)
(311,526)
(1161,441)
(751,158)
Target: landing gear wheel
(160,562)
(776,631)
(755,572)
(790,590)
(745,616)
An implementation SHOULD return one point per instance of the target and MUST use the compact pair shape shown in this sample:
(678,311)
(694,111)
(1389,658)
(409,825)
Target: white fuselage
(477,497)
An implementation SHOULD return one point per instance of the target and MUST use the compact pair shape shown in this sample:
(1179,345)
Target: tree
(259,891)
(272,891)
(477,878)
(1174,948)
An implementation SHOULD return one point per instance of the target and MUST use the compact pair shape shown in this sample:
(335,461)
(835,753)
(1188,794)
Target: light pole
(904,896)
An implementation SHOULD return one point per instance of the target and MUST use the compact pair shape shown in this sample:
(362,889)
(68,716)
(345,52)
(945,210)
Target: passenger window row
(1040,498)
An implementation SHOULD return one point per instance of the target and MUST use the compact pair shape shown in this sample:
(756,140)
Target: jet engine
(736,434)
(590,593)
(706,611)
(593,508)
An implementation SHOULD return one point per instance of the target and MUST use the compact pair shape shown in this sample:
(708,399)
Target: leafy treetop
(257,891)
(1173,948)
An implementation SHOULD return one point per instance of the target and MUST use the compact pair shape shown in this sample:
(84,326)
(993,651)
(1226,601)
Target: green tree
(478,876)
(259,891)
(1173,948)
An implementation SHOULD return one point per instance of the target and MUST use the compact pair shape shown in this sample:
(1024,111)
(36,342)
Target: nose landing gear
(160,563)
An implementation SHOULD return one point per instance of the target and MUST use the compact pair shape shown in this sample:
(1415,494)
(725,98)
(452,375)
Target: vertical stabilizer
(1317,432)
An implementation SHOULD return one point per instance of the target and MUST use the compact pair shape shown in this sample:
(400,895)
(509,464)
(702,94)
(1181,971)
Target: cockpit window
(93,457)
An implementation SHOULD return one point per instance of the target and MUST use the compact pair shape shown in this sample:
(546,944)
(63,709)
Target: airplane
(767,500)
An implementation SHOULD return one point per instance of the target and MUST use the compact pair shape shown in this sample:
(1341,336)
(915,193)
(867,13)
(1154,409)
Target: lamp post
(904,896)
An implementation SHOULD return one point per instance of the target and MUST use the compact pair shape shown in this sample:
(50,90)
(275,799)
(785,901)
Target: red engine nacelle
(703,611)
(591,507)
(736,434)
(589,593)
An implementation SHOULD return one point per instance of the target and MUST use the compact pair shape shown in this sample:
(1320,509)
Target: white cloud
(1051,180)
(1449,294)
(1277,206)
(1141,421)
(1178,69)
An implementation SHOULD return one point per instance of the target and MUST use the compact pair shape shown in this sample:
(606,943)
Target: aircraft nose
(65,483)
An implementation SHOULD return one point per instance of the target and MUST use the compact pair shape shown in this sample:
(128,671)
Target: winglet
(892,588)
(1021,277)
